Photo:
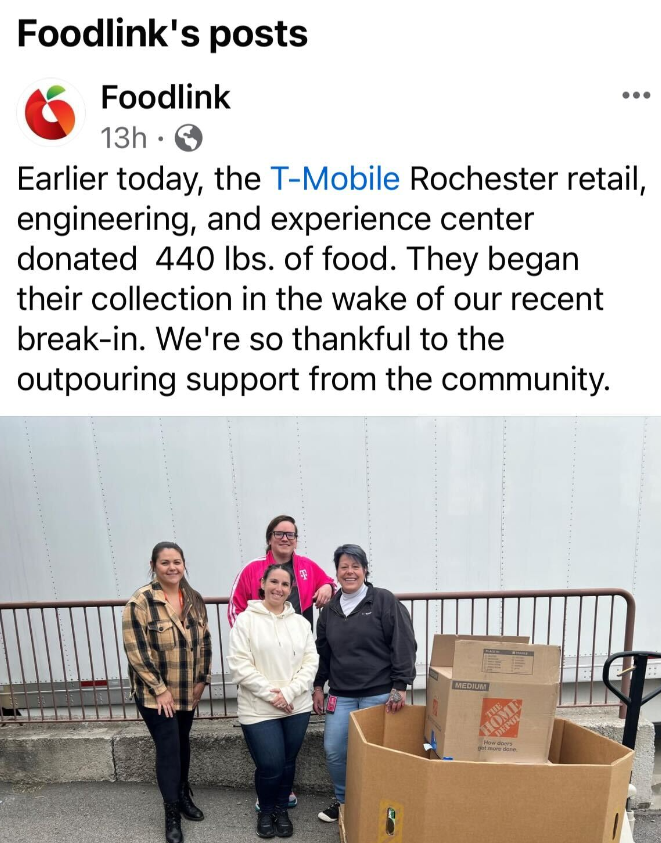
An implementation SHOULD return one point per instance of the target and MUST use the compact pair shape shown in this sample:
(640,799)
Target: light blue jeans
(336,736)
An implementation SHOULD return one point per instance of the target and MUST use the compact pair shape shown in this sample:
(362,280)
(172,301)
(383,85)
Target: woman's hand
(318,700)
(322,595)
(396,701)
(198,690)
(280,702)
(165,703)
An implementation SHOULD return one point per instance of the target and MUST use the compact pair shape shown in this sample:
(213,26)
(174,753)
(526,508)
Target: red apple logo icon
(65,118)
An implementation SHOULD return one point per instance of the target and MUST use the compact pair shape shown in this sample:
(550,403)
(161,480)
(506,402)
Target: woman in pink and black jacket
(311,584)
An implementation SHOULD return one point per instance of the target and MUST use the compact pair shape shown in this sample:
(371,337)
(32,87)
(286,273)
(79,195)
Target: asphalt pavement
(117,812)
(107,812)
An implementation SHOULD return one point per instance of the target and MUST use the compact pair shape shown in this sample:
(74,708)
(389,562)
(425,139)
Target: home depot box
(395,793)
(496,702)
(442,656)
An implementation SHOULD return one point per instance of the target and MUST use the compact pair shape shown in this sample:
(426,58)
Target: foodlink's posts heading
(115,32)
(279,210)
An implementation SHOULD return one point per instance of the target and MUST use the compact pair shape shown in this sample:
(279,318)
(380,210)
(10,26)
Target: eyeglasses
(281,534)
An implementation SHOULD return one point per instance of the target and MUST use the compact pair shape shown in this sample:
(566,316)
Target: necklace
(181,601)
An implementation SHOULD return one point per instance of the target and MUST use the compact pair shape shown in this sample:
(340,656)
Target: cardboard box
(442,651)
(496,702)
(395,794)
(442,656)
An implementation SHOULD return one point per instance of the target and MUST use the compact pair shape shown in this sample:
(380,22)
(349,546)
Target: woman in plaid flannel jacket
(168,646)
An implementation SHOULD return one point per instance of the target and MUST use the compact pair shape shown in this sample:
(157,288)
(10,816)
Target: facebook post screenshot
(330,449)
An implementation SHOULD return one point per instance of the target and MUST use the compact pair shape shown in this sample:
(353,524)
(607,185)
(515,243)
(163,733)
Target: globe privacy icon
(188,137)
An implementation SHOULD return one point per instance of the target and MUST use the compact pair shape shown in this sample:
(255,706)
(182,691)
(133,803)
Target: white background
(438,504)
(498,86)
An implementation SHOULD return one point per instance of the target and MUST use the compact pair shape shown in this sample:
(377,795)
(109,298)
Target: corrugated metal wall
(439,503)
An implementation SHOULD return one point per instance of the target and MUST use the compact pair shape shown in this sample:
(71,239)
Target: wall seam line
(502,505)
(368,488)
(235,495)
(639,514)
(104,504)
(167,477)
(571,501)
(300,479)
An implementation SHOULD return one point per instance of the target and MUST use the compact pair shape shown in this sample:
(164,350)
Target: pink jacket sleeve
(239,595)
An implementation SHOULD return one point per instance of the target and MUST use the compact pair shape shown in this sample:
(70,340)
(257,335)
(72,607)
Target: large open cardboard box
(397,794)
(491,700)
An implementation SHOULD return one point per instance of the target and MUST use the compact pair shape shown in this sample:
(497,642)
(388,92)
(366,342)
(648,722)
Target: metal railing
(64,661)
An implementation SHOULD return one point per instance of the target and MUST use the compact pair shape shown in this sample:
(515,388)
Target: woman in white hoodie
(273,659)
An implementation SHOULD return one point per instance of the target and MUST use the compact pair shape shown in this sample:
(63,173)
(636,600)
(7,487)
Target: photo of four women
(364,649)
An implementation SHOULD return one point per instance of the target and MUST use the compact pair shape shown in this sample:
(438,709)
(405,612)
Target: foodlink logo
(50,112)
(500,718)
(65,119)
(457,685)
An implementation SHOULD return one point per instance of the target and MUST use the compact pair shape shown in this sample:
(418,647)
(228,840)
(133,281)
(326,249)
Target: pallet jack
(634,701)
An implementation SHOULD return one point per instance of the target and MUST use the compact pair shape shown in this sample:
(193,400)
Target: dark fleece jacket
(369,652)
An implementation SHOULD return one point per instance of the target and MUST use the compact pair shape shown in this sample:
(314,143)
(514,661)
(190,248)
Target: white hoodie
(271,651)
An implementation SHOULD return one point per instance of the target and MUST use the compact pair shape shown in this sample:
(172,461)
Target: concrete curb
(36,754)
(88,752)
(219,757)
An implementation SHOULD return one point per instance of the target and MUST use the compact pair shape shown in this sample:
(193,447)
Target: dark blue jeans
(274,745)
(172,738)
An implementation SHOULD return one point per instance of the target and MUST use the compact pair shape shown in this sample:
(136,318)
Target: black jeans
(274,745)
(171,736)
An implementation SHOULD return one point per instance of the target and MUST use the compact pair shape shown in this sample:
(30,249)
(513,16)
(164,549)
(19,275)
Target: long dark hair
(191,595)
(273,523)
(274,567)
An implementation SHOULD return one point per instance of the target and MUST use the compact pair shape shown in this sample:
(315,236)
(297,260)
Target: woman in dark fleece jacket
(366,649)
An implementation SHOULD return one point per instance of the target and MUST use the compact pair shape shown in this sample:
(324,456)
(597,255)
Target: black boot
(173,833)
(186,806)
(282,824)
(265,825)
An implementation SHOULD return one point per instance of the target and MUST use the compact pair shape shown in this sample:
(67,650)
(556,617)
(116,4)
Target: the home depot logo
(500,718)
(434,707)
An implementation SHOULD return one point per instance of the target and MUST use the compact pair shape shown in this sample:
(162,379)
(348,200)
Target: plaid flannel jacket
(164,652)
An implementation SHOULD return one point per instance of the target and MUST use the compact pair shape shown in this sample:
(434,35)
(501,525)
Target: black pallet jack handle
(635,701)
